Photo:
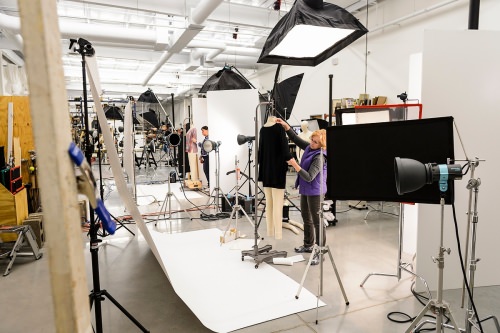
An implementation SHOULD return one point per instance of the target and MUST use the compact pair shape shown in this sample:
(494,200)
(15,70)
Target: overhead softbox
(148,97)
(150,117)
(225,79)
(113,113)
(285,93)
(311,32)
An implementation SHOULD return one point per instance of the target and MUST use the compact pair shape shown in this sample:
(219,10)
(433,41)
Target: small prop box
(229,235)
(35,220)
(13,210)
(192,184)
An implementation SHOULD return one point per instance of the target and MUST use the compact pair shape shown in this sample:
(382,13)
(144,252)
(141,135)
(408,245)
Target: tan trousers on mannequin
(274,211)
(193,165)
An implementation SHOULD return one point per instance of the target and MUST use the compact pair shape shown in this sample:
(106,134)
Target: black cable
(352,207)
(463,268)
(466,165)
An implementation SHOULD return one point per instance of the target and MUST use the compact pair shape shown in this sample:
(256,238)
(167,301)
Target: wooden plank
(42,50)
(23,129)
(21,202)
(16,147)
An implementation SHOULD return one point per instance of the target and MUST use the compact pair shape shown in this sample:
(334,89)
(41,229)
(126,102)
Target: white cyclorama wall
(461,78)
(231,112)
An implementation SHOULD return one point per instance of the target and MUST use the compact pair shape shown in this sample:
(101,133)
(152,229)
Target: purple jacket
(313,187)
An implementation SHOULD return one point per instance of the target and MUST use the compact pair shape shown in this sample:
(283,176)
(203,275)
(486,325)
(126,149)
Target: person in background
(311,181)
(204,155)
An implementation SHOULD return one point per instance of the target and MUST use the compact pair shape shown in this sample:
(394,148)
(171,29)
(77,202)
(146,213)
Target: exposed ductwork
(198,16)
(95,33)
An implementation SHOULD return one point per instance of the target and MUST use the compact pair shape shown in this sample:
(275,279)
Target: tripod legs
(322,252)
(236,210)
(99,297)
(168,202)
(441,309)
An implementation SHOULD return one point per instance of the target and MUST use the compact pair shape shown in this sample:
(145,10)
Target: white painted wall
(230,112)
(462,80)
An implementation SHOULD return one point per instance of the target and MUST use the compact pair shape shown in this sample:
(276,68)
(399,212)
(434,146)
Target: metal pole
(330,101)
(474,14)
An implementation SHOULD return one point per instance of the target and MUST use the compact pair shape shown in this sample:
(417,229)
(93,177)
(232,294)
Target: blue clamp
(86,186)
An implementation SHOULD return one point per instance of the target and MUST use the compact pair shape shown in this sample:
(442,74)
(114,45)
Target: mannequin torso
(271,120)
(304,135)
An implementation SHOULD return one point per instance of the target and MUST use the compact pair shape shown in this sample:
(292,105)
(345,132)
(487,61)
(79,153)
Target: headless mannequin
(274,201)
(304,135)
(192,150)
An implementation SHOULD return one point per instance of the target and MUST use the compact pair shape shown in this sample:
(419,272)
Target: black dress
(273,154)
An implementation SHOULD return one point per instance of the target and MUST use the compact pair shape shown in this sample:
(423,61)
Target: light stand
(217,190)
(401,266)
(264,253)
(248,177)
(96,295)
(321,249)
(473,187)
(168,202)
(236,207)
(438,306)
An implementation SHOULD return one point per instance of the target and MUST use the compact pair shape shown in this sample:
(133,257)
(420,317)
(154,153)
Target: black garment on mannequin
(273,154)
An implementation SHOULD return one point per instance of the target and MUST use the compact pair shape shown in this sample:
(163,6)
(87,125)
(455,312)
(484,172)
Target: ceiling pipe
(198,16)
(13,57)
(200,13)
(92,32)
(412,15)
(235,60)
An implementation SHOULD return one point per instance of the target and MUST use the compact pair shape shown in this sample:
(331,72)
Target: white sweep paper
(121,185)
(289,261)
(128,146)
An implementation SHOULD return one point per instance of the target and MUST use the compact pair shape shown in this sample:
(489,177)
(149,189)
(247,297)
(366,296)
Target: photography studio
(249,166)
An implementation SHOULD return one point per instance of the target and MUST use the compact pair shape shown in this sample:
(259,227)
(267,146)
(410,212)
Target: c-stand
(84,48)
(236,207)
(248,177)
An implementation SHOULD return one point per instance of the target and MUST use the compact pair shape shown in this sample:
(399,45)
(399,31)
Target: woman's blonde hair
(321,134)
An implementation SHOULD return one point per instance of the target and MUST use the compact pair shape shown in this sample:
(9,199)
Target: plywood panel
(21,203)
(7,207)
(22,128)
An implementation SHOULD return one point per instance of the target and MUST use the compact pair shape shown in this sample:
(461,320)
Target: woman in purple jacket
(311,181)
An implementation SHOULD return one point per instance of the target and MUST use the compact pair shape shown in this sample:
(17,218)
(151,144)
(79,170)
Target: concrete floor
(131,274)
